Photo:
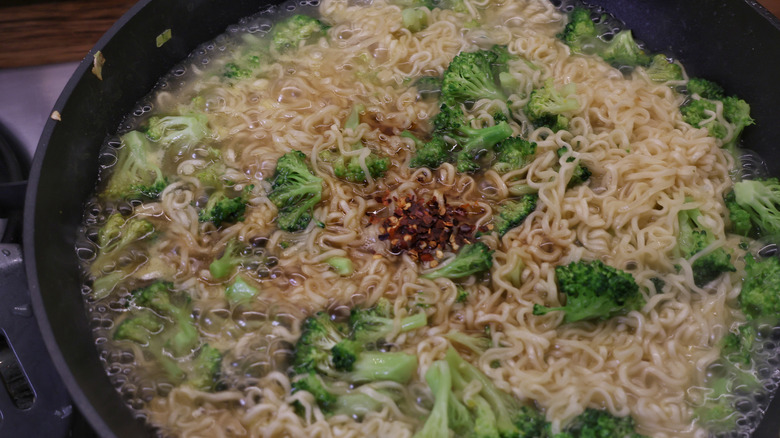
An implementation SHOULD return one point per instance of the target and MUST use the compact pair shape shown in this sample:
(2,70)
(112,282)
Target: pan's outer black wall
(726,41)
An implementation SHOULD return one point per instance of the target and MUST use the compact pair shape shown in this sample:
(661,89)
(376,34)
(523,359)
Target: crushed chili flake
(424,228)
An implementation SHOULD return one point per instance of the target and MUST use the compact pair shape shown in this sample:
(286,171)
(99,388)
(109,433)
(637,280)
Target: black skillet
(732,42)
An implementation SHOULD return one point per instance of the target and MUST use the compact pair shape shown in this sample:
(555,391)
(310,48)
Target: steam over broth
(216,355)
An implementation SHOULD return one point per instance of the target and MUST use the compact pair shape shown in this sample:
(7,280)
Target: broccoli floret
(159,297)
(288,34)
(428,87)
(462,295)
(580,174)
(701,113)
(694,237)
(223,209)
(212,175)
(375,323)
(470,142)
(414,19)
(513,213)
(599,423)
(448,412)
(319,334)
(546,105)
(240,291)
(431,154)
(760,201)
(736,347)
(473,258)
(312,383)
(741,222)
(139,328)
(180,132)
(115,238)
(342,265)
(136,175)
(760,295)
(325,348)
(705,89)
(295,191)
(233,71)
(580,31)
(469,77)
(350,169)
(205,368)
(235,254)
(513,153)
(622,50)
(490,413)
(662,70)
(594,291)
(717,411)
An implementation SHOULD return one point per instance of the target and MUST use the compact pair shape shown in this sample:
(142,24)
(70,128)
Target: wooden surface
(34,32)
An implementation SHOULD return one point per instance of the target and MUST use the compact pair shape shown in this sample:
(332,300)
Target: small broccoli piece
(469,77)
(233,71)
(212,175)
(760,201)
(740,219)
(736,347)
(295,191)
(448,412)
(513,153)
(473,258)
(431,154)
(489,413)
(513,213)
(580,31)
(594,291)
(159,297)
(313,384)
(235,254)
(718,412)
(472,142)
(622,50)
(115,238)
(546,105)
(205,368)
(342,265)
(694,237)
(181,132)
(136,175)
(701,114)
(580,174)
(375,323)
(662,70)
(462,296)
(288,34)
(705,89)
(350,169)
(428,87)
(240,292)
(222,209)
(139,328)
(319,334)
(760,295)
(414,19)
(599,423)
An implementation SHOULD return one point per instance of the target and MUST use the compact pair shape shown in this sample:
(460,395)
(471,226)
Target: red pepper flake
(423,228)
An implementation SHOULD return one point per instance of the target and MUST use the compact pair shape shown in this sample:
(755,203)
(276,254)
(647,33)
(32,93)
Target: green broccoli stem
(376,366)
